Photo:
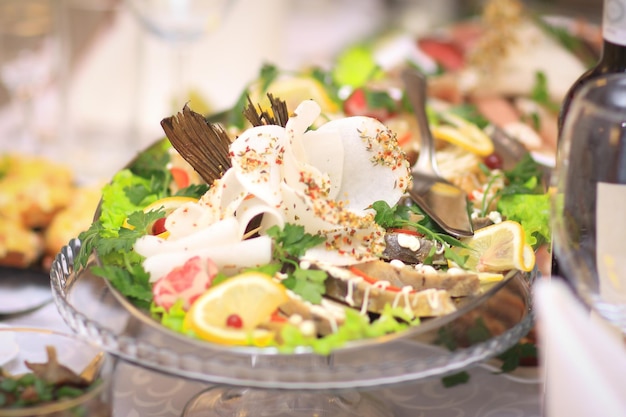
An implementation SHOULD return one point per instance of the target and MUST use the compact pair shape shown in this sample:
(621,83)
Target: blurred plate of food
(41,208)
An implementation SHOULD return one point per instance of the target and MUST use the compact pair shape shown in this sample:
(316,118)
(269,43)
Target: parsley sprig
(291,243)
(121,265)
(398,216)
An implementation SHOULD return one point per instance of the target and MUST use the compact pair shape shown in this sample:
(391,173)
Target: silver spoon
(441,200)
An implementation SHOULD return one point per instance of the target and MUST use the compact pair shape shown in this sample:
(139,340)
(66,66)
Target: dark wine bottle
(612,60)
(613,56)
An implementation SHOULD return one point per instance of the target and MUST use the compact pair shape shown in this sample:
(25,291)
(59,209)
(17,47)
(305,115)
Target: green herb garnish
(290,243)
(398,217)
(540,93)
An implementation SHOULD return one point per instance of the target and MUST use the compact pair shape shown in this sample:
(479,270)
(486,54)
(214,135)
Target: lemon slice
(294,90)
(169,204)
(251,297)
(497,248)
(489,277)
(463,134)
(529,258)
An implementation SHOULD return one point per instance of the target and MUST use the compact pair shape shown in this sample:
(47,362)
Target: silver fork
(441,200)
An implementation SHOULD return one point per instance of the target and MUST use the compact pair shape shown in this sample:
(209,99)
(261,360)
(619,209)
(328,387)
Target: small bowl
(18,345)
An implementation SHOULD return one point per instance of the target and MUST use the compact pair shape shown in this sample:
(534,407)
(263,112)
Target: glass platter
(501,315)
(96,311)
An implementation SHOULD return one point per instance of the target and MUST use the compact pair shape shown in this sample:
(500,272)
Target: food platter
(266,173)
(93,310)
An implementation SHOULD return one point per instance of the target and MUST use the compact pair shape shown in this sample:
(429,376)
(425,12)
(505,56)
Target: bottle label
(614,21)
(610,227)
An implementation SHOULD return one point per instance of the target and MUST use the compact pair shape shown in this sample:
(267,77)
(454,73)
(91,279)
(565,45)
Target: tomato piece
(158,226)
(371,280)
(406,232)
(357,105)
(404,139)
(278,318)
(180,176)
(446,53)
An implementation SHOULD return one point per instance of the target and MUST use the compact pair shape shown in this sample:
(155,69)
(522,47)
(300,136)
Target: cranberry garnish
(234,321)
(158,226)
(493,161)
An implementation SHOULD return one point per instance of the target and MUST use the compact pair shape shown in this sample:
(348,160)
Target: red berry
(493,161)
(158,226)
(234,321)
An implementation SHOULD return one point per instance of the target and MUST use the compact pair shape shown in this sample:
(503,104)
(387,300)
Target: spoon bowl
(441,200)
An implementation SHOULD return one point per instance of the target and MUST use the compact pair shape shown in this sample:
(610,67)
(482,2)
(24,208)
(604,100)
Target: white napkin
(584,359)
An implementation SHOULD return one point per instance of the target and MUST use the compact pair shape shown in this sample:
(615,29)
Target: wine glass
(30,60)
(589,197)
(179,23)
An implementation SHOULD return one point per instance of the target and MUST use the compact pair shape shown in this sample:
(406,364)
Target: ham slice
(186,283)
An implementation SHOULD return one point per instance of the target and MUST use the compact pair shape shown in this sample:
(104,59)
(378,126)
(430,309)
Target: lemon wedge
(497,248)
(251,298)
(463,134)
(490,277)
(294,90)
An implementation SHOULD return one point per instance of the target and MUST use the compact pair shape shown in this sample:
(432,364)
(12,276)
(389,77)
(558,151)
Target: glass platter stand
(261,381)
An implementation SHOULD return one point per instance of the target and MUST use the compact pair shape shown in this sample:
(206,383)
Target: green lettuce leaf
(356,326)
(116,203)
(532,211)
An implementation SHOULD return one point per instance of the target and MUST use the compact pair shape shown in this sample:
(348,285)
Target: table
(146,393)
(142,392)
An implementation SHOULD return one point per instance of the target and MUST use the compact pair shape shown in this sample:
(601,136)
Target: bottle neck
(614,22)
(613,54)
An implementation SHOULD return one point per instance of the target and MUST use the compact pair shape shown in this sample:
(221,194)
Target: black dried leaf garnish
(54,373)
(203,145)
(279,107)
(258,117)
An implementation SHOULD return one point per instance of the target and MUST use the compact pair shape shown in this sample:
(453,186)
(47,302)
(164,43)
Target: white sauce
(404,295)
(456,271)
(409,241)
(425,269)
(432,297)
(365,302)
(495,217)
(307,327)
(397,263)
(382,284)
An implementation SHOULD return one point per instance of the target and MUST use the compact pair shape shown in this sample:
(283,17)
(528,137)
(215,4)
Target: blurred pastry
(33,189)
(20,247)
(75,218)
